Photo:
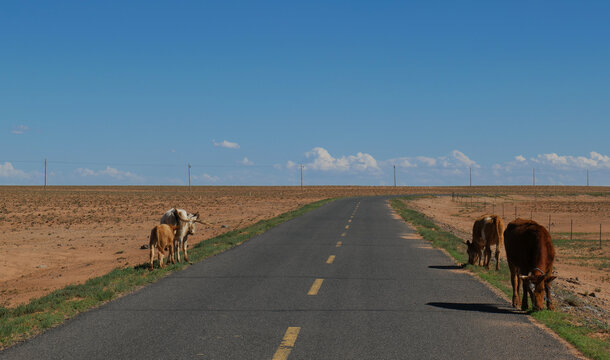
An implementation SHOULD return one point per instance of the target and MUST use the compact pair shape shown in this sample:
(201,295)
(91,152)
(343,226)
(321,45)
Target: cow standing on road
(186,226)
(530,254)
(486,231)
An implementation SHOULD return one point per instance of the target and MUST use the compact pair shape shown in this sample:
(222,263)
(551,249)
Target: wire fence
(64,172)
(567,227)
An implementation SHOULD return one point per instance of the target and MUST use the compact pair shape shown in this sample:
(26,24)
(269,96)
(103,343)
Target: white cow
(186,226)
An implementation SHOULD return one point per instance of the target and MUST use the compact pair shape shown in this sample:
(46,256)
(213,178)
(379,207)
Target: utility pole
(394,175)
(45,173)
(533,176)
(470,176)
(189,165)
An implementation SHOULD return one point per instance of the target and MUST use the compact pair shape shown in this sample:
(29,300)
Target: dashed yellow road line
(290,337)
(343,234)
(330,259)
(339,243)
(346,227)
(349,221)
(317,283)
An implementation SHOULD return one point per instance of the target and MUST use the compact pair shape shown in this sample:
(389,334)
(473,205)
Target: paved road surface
(346,281)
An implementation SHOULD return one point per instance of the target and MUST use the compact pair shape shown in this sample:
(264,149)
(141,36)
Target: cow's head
(536,287)
(473,252)
(187,221)
(193,218)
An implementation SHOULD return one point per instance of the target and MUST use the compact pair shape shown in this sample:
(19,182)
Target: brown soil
(581,265)
(65,235)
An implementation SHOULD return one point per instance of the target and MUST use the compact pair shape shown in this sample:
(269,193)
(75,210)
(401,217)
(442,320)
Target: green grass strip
(27,320)
(561,323)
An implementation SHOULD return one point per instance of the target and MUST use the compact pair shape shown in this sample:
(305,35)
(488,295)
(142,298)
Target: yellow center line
(346,227)
(330,259)
(315,287)
(339,243)
(343,234)
(349,221)
(290,337)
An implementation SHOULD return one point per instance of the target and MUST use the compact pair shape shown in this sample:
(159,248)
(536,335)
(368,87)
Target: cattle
(162,238)
(486,231)
(186,226)
(530,254)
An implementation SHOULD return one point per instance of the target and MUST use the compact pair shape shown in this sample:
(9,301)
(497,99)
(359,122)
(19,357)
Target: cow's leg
(526,293)
(498,256)
(177,242)
(487,256)
(152,256)
(549,299)
(161,264)
(516,283)
(184,247)
(171,255)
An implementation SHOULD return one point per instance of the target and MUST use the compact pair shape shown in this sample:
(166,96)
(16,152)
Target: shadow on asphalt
(486,308)
(447,267)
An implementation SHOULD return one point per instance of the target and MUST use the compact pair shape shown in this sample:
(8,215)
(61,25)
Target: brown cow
(530,254)
(486,231)
(161,238)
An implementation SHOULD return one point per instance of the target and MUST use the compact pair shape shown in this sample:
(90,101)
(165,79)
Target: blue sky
(131,92)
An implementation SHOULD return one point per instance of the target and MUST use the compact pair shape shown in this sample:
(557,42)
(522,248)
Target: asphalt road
(282,295)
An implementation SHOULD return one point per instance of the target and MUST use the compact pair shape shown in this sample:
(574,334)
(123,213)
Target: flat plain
(58,236)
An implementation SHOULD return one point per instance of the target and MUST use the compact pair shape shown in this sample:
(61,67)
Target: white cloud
(207,178)
(247,162)
(8,171)
(400,162)
(520,158)
(111,172)
(85,172)
(226,144)
(19,129)
(426,160)
(322,160)
(456,159)
(594,161)
(461,158)
(290,164)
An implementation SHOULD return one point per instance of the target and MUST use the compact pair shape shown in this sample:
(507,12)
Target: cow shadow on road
(447,267)
(477,307)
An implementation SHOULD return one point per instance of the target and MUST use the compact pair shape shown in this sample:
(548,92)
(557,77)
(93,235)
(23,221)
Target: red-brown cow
(530,254)
(486,231)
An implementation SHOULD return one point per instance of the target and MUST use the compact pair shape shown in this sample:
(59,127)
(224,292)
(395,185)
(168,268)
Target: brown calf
(161,238)
(530,254)
(486,231)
